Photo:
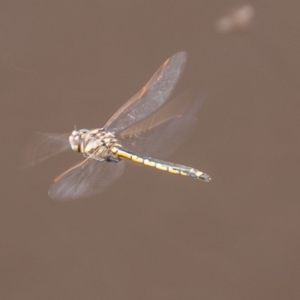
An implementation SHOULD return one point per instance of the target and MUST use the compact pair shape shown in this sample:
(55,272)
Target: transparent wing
(86,179)
(151,97)
(42,146)
(153,143)
(162,133)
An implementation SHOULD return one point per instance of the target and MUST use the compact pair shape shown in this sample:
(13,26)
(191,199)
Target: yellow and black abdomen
(160,164)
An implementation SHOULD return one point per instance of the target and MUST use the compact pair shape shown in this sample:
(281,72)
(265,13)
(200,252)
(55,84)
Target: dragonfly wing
(151,97)
(162,140)
(42,146)
(163,132)
(86,179)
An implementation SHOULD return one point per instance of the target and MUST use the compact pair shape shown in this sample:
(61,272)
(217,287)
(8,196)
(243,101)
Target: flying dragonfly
(148,124)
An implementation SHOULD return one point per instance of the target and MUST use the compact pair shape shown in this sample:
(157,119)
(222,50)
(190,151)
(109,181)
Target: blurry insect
(237,20)
(147,124)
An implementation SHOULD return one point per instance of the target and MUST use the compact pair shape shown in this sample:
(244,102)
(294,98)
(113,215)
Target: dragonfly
(148,124)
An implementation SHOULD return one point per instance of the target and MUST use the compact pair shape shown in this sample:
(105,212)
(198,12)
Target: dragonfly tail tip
(204,176)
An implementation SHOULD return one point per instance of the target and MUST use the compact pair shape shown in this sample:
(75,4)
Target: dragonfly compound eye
(75,140)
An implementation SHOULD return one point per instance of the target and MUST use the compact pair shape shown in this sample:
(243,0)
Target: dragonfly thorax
(96,143)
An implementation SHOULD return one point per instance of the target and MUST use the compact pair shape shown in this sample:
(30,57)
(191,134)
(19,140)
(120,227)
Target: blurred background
(153,235)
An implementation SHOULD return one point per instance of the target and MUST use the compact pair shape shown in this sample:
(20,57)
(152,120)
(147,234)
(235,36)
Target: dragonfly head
(76,138)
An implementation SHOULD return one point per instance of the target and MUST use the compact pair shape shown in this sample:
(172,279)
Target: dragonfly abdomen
(160,164)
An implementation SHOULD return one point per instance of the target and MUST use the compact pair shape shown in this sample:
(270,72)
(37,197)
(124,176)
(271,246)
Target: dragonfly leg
(112,159)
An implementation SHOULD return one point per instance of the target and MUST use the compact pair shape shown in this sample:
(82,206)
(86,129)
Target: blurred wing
(86,179)
(42,146)
(151,97)
(163,132)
